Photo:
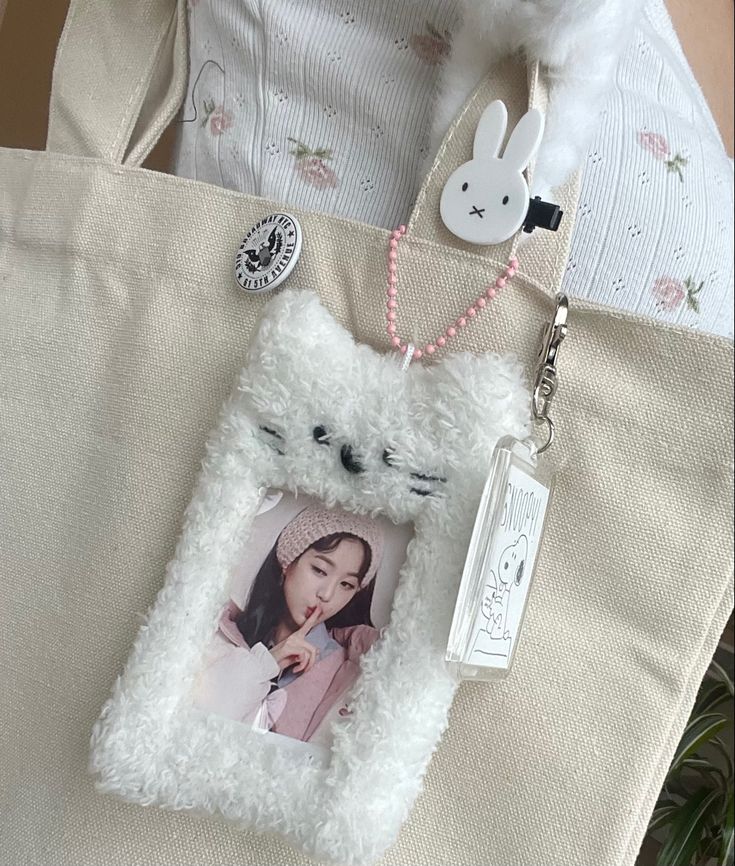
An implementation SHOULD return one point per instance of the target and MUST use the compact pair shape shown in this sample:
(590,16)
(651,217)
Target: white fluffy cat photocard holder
(293,674)
(375,471)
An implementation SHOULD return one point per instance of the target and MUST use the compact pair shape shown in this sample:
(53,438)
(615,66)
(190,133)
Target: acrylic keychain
(506,538)
(485,201)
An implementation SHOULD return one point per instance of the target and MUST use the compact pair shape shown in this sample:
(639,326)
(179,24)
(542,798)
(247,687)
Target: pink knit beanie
(318,521)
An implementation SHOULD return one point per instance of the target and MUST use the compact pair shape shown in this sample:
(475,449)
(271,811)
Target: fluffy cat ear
(481,393)
(297,331)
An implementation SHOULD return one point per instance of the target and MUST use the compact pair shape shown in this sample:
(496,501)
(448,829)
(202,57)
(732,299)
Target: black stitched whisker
(421,492)
(421,477)
(272,432)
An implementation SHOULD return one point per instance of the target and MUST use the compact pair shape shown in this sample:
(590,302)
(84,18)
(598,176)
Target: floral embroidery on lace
(311,165)
(219,119)
(659,148)
(669,293)
(432,46)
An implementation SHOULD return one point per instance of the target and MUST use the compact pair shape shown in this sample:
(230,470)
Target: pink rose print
(215,115)
(657,145)
(311,166)
(220,121)
(432,46)
(669,293)
(654,143)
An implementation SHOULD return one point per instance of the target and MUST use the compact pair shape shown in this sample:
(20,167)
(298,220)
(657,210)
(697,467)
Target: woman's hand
(296,649)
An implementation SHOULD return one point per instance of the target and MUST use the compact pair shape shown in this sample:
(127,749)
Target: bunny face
(485,200)
(484,206)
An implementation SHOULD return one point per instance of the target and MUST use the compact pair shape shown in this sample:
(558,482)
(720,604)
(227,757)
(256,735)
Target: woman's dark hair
(266,603)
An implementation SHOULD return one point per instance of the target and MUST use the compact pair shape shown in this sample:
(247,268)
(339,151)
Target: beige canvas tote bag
(121,333)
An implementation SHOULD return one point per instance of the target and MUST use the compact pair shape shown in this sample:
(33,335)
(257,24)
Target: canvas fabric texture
(121,334)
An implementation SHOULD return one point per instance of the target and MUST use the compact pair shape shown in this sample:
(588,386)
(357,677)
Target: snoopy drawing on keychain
(495,638)
(485,200)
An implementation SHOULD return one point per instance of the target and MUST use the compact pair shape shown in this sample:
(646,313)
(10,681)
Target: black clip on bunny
(542,215)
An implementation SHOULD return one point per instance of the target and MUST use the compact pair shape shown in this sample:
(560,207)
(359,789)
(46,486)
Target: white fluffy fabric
(151,746)
(577,41)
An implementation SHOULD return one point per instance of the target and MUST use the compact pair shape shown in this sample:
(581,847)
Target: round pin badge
(268,253)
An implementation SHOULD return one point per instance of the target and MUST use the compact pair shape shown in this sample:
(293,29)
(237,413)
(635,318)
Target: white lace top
(326,105)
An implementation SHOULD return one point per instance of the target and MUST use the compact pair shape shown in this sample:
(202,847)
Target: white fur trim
(579,41)
(151,745)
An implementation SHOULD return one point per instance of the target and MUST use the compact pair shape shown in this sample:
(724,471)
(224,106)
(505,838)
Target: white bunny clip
(485,200)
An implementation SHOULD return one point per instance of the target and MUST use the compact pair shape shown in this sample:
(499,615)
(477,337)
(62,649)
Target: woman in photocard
(285,660)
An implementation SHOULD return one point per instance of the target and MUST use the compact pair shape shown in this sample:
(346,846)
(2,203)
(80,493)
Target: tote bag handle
(119,78)
(543,256)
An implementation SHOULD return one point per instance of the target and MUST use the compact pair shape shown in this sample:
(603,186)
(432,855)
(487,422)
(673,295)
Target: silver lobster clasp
(546,374)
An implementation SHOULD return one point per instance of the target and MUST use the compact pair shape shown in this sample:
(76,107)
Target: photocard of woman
(310,597)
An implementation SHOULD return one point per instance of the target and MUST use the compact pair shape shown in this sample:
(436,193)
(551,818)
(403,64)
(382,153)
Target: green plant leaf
(725,755)
(707,769)
(687,829)
(716,671)
(675,788)
(727,847)
(711,695)
(695,808)
(663,814)
(708,848)
(699,731)
(696,763)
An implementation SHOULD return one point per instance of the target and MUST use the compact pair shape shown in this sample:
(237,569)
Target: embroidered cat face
(353,460)
(341,422)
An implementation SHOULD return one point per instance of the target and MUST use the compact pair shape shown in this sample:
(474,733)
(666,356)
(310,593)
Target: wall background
(29,32)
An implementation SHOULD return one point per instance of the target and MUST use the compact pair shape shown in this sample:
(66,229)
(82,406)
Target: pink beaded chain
(479,304)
